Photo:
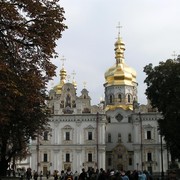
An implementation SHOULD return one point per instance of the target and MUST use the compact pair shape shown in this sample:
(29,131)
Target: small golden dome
(75,84)
(63,75)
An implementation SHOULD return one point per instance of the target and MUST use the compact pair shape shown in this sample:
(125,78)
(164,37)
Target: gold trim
(114,107)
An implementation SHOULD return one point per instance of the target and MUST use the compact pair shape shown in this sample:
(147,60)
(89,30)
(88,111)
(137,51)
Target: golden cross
(63,59)
(73,74)
(68,77)
(118,27)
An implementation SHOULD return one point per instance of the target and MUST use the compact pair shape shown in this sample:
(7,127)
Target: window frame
(45,157)
(90,158)
(67,157)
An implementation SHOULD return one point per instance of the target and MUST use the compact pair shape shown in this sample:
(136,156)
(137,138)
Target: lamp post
(150,163)
(97,138)
(142,164)
(137,165)
(162,167)
(37,148)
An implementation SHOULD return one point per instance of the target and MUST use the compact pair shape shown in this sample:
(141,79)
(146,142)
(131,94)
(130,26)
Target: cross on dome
(119,27)
(68,77)
(73,74)
(63,59)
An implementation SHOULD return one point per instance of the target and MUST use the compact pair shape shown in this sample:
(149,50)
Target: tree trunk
(3,167)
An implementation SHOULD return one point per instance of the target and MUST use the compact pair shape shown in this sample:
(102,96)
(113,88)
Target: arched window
(119,137)
(111,98)
(129,98)
(68,101)
(109,137)
(62,104)
(120,97)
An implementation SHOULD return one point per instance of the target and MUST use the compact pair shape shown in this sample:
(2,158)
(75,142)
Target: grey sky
(151,32)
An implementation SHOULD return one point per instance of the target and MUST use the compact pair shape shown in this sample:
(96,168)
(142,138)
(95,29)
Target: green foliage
(174,165)
(163,90)
(28,34)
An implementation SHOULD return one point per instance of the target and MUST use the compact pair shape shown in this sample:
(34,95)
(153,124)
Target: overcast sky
(150,31)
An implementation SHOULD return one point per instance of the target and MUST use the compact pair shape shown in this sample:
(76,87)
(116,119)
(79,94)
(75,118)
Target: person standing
(28,174)
(83,175)
(76,175)
(47,174)
(69,174)
(55,175)
(41,175)
(35,175)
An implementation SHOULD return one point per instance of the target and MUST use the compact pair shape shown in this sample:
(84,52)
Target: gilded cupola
(120,81)
(120,73)
(73,80)
(63,74)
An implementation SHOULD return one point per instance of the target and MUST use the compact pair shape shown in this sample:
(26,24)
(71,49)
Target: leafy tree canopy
(163,90)
(28,33)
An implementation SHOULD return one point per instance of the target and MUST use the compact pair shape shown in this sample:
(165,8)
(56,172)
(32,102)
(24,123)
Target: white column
(33,162)
(102,159)
(103,134)
(56,132)
(78,162)
(100,133)
(55,160)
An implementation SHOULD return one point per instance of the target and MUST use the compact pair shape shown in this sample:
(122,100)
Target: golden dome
(120,73)
(75,84)
(63,75)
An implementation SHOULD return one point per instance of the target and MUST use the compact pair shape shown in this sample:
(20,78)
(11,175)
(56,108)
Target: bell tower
(120,81)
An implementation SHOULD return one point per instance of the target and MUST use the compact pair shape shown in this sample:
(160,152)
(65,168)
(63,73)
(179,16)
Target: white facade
(76,137)
(149,152)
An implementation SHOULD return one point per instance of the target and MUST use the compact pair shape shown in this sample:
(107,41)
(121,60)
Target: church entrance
(120,167)
(44,170)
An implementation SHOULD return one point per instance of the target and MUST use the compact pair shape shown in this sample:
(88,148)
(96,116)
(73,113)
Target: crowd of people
(90,174)
(101,174)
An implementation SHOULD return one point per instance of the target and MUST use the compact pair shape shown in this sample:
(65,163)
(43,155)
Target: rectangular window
(129,119)
(45,157)
(67,136)
(89,157)
(130,161)
(149,157)
(129,138)
(46,136)
(109,119)
(148,134)
(109,137)
(67,157)
(89,135)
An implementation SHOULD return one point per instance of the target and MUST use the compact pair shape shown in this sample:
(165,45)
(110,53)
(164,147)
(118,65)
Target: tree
(28,33)
(163,90)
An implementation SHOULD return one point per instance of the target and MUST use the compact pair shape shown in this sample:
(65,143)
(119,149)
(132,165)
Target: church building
(117,134)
